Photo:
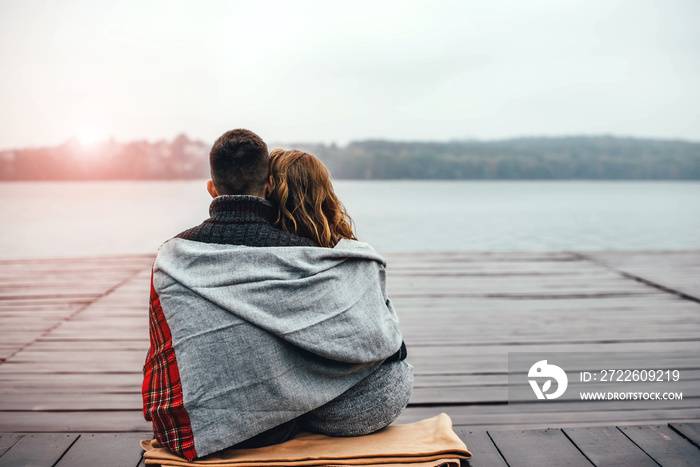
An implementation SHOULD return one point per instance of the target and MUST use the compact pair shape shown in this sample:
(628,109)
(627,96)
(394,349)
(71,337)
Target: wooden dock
(73,338)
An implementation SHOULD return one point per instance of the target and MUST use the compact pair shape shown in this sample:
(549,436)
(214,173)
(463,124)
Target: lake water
(47,219)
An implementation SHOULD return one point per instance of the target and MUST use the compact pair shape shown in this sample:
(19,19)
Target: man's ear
(212,189)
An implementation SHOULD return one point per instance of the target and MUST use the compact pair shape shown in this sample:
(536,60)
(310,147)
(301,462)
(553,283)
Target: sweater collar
(241,208)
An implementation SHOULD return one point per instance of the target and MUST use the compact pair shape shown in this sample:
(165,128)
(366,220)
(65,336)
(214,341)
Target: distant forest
(578,157)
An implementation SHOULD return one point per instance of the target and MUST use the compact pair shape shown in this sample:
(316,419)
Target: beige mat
(428,443)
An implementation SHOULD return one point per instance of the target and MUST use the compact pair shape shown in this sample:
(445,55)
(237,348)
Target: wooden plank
(77,400)
(72,367)
(629,353)
(690,431)
(592,280)
(515,271)
(38,450)
(487,415)
(104,270)
(46,294)
(105,450)
(536,448)
(675,270)
(607,446)
(475,308)
(131,327)
(140,345)
(97,260)
(472,260)
(441,286)
(653,419)
(31,356)
(497,291)
(20,337)
(421,304)
(476,256)
(69,382)
(73,334)
(47,302)
(664,445)
(74,422)
(436,339)
(572,407)
(40,326)
(491,393)
(451,360)
(7,441)
(483,450)
(450,324)
(34,309)
(448,310)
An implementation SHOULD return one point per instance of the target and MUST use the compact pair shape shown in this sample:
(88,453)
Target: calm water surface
(47,219)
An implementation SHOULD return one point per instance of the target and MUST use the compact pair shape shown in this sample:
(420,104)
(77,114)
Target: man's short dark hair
(239,163)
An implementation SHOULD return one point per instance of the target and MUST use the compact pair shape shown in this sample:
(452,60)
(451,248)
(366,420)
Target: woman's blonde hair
(302,192)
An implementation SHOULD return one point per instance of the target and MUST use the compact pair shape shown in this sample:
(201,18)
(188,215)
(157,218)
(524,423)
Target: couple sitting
(269,318)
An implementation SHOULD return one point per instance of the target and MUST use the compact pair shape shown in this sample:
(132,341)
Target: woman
(302,192)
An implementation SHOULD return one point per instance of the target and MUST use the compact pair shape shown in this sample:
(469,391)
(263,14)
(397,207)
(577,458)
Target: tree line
(534,158)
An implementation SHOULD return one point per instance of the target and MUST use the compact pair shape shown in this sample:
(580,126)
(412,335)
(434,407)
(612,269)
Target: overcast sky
(340,71)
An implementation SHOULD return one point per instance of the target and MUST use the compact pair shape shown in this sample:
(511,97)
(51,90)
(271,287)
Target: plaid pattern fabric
(161,390)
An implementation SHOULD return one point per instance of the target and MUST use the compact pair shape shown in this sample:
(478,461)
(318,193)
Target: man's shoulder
(242,220)
(253,234)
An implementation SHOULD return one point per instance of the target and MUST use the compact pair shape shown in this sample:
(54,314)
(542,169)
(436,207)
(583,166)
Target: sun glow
(89,136)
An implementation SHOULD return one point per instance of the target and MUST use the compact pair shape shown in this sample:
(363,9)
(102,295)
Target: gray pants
(370,405)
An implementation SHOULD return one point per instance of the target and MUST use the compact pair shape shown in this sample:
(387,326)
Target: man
(257,333)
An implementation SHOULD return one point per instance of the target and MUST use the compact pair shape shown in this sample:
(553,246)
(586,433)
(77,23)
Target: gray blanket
(263,335)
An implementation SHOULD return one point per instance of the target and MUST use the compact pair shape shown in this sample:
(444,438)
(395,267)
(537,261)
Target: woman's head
(306,204)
